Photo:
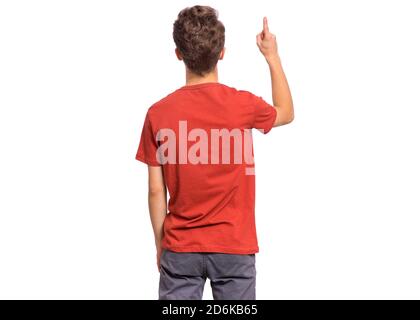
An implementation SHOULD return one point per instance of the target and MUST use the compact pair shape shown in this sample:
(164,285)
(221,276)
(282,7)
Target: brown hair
(200,37)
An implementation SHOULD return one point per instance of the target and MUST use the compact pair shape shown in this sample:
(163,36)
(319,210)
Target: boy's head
(200,38)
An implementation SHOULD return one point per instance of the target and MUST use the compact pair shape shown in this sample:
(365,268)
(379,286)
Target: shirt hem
(213,249)
(147,161)
(267,130)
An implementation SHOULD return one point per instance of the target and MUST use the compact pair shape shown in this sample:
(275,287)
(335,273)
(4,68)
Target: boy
(208,228)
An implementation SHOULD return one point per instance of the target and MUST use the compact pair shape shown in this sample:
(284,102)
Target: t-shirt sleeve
(264,114)
(148,146)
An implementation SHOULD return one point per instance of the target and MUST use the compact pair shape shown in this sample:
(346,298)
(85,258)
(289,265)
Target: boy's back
(197,143)
(209,177)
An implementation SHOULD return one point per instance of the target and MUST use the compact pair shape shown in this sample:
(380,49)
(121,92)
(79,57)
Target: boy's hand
(266,42)
(158,255)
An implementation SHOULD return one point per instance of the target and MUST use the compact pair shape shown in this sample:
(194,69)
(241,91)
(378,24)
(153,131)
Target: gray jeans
(183,275)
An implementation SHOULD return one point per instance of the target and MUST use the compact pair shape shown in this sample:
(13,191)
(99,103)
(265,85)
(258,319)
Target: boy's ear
(178,54)
(222,54)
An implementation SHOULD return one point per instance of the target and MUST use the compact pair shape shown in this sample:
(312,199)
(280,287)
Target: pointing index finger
(265,25)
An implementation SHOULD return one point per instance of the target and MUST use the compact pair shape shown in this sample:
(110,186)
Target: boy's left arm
(157,206)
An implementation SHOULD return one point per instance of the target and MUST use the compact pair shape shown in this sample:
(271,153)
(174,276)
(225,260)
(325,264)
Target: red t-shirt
(212,200)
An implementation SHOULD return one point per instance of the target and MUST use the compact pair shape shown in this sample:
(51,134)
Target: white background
(337,190)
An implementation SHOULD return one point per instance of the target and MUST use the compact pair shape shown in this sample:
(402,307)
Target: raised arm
(157,206)
(282,98)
